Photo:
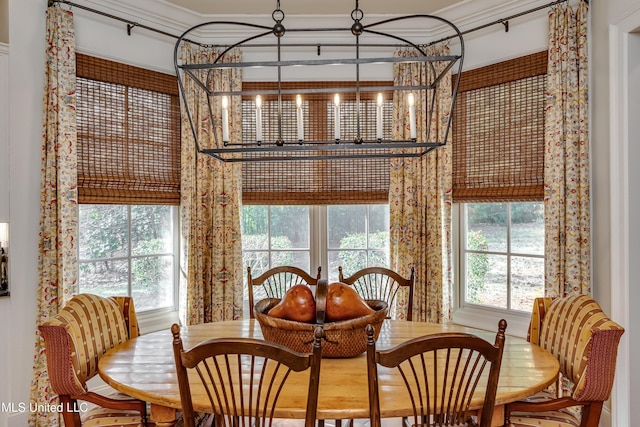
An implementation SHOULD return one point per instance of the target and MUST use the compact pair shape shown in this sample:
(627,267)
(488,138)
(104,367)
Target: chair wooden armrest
(549,405)
(127,403)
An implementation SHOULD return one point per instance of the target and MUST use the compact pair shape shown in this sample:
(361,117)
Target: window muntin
(129,250)
(502,254)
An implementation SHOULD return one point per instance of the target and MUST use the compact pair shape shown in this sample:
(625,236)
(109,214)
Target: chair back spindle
(386,285)
(275,282)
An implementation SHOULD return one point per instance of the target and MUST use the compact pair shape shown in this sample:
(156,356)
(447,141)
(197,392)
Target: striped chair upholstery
(75,339)
(585,342)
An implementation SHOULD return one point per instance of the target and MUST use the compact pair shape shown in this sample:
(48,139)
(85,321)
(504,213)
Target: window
(498,190)
(351,236)
(129,250)
(503,254)
(128,122)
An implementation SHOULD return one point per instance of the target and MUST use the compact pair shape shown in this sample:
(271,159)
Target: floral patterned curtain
(211,288)
(420,197)
(566,163)
(57,260)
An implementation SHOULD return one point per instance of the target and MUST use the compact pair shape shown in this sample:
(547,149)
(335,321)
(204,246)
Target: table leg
(163,416)
(498,416)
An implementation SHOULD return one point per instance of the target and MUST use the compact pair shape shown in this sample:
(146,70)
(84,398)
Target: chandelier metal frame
(296,149)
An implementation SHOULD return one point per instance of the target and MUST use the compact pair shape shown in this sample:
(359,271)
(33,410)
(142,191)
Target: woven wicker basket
(343,339)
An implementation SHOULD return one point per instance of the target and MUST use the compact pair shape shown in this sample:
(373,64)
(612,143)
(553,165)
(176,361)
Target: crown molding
(175,20)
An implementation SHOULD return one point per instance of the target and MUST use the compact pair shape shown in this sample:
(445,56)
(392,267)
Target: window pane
(151,230)
(255,221)
(491,220)
(487,280)
(378,218)
(347,226)
(258,261)
(527,282)
(105,278)
(527,228)
(152,282)
(296,259)
(351,261)
(290,227)
(103,231)
(378,259)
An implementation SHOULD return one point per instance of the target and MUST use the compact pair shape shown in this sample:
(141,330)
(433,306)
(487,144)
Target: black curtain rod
(131,24)
(504,21)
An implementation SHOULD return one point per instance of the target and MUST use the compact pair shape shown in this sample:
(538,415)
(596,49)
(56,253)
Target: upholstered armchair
(75,339)
(585,342)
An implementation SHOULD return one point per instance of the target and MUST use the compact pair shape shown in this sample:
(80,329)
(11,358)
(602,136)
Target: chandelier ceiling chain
(347,106)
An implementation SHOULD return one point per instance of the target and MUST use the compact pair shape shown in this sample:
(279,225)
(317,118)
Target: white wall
(615,108)
(24,118)
(4,200)
(108,39)
(634,213)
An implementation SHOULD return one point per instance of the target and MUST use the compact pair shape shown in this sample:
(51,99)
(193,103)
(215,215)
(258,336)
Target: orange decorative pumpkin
(297,304)
(344,303)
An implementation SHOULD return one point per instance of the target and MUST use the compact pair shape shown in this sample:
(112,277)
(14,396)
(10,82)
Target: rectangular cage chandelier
(354,107)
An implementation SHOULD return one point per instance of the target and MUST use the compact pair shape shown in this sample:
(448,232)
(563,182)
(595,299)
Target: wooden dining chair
(585,342)
(75,340)
(275,282)
(441,373)
(239,380)
(384,284)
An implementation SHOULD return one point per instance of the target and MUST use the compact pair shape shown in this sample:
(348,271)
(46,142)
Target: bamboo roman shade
(317,182)
(128,121)
(498,132)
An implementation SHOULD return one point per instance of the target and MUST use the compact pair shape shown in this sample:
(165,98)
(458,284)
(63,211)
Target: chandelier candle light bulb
(336,101)
(299,118)
(379,118)
(258,118)
(412,116)
(225,119)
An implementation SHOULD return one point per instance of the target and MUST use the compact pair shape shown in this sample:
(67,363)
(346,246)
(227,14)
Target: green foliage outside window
(477,264)
(351,260)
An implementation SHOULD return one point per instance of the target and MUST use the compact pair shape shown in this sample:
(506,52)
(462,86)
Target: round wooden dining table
(144,368)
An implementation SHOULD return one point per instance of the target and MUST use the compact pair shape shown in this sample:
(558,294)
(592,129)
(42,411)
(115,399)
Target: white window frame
(473,315)
(159,318)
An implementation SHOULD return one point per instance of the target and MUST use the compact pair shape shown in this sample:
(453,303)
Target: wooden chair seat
(100,417)
(563,417)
